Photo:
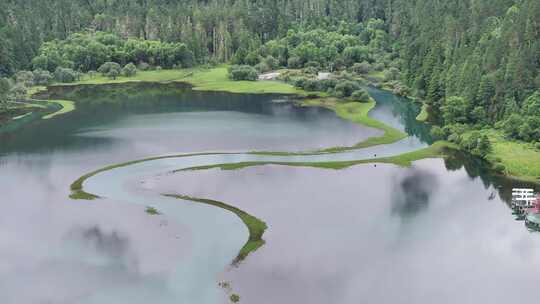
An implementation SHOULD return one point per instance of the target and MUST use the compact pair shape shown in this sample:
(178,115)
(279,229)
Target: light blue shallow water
(194,278)
(110,250)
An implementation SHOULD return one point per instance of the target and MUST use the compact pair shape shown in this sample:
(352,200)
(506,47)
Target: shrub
(243,72)
(65,75)
(391,74)
(401,90)
(346,76)
(113,74)
(499,167)
(311,70)
(294,63)
(252,58)
(360,95)
(129,70)
(107,67)
(537,146)
(438,133)
(299,81)
(327,84)
(19,91)
(234,298)
(455,138)
(361,68)
(92,74)
(378,67)
(5,87)
(311,85)
(313,64)
(42,77)
(346,88)
(25,78)
(262,67)
(271,62)
(143,66)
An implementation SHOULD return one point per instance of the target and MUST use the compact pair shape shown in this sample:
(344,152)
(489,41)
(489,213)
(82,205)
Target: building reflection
(478,168)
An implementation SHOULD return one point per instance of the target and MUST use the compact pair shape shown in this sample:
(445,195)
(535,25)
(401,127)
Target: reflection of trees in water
(407,111)
(110,103)
(478,168)
(412,192)
(112,246)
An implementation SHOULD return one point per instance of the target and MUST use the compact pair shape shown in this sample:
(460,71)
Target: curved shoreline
(351,111)
(256,226)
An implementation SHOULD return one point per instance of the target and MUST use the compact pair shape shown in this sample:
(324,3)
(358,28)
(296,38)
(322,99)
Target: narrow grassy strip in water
(434,151)
(67,106)
(256,227)
(22,116)
(76,187)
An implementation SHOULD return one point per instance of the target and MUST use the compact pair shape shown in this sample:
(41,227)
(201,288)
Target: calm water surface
(111,251)
(375,234)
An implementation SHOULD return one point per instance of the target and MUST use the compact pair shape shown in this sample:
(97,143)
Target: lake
(438,231)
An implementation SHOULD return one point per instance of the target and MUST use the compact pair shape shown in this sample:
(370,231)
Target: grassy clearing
(357,112)
(521,160)
(377,75)
(256,227)
(214,79)
(66,107)
(423,115)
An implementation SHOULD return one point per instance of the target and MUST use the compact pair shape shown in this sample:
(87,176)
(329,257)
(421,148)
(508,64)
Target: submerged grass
(152,211)
(436,150)
(256,227)
(78,193)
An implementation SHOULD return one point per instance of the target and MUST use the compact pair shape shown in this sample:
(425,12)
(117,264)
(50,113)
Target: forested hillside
(474,62)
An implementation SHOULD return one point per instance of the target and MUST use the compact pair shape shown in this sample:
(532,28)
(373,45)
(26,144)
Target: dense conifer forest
(473,62)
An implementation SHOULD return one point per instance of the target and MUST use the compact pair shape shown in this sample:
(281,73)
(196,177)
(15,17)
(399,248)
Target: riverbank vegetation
(473,64)
(357,112)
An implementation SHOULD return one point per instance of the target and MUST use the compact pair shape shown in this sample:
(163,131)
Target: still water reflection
(111,251)
(55,250)
(374,234)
